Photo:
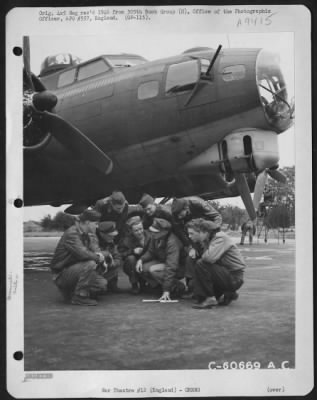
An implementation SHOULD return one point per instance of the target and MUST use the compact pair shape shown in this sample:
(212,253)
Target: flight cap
(117,198)
(136,220)
(160,224)
(108,228)
(178,205)
(90,215)
(146,200)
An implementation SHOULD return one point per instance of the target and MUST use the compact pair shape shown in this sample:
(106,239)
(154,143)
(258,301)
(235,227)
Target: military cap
(117,198)
(107,228)
(178,205)
(160,224)
(146,200)
(134,221)
(90,215)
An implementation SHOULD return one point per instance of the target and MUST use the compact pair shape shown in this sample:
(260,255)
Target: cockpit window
(233,73)
(182,77)
(204,64)
(125,62)
(66,78)
(93,68)
(59,59)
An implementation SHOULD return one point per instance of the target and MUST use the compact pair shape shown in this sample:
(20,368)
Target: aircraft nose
(274,90)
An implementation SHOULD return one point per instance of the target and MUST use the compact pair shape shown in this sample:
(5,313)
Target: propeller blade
(76,142)
(26,62)
(277,175)
(259,188)
(244,191)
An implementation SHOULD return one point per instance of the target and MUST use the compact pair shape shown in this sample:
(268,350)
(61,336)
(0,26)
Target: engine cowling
(242,151)
(250,150)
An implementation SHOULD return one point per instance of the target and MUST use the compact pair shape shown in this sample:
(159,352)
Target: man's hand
(101,258)
(165,296)
(105,267)
(110,260)
(192,253)
(138,250)
(139,266)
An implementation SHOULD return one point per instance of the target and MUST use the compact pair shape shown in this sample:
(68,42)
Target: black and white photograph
(160,199)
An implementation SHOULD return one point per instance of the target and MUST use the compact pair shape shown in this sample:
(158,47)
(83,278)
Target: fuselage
(151,119)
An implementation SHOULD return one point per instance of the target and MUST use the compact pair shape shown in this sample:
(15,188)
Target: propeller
(277,175)
(37,106)
(26,63)
(35,96)
(244,190)
(252,206)
(259,189)
(78,143)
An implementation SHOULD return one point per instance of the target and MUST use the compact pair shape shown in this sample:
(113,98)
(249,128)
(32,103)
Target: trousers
(243,235)
(80,279)
(154,274)
(129,269)
(214,280)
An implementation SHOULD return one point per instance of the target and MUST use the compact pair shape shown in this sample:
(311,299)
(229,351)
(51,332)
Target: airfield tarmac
(123,333)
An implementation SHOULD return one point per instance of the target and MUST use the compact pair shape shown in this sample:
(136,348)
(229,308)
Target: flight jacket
(223,251)
(165,248)
(73,247)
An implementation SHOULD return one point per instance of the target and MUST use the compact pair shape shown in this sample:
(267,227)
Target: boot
(228,297)
(135,289)
(207,304)
(83,301)
(113,286)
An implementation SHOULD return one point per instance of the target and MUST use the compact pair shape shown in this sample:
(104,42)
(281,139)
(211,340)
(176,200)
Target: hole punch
(18,355)
(17,51)
(18,203)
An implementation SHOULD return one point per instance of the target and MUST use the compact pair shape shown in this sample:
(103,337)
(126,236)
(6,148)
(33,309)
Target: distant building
(31,226)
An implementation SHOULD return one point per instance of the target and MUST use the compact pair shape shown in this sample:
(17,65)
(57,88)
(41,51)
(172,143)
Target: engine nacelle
(247,150)
(250,150)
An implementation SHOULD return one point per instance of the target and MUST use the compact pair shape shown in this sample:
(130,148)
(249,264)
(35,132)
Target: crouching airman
(219,269)
(74,263)
(109,269)
(160,263)
(134,244)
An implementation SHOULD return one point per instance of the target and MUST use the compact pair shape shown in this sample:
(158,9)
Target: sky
(155,45)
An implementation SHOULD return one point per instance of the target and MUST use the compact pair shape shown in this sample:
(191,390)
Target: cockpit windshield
(121,62)
(277,102)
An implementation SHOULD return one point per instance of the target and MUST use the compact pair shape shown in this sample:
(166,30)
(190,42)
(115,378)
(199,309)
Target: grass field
(124,333)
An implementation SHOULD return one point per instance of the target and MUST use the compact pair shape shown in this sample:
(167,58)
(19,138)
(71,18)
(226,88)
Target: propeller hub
(44,101)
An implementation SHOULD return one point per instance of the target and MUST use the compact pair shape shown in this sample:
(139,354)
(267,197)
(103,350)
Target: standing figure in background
(247,227)
(132,246)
